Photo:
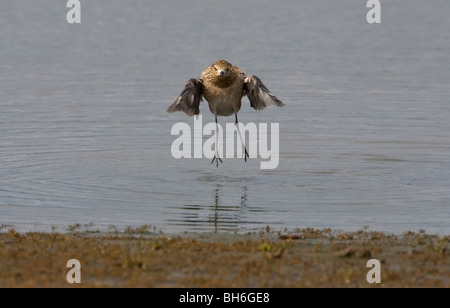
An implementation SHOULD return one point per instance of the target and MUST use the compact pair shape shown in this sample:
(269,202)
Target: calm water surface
(364,135)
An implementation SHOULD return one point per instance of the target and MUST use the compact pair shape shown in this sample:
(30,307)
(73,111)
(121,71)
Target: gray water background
(364,136)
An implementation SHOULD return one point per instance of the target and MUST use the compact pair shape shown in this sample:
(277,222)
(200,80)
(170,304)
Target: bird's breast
(223,101)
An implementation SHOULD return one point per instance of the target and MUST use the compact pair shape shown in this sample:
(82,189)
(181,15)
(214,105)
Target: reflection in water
(226,217)
(244,196)
(223,213)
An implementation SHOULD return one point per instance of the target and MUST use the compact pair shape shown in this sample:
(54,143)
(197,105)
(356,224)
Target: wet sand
(302,258)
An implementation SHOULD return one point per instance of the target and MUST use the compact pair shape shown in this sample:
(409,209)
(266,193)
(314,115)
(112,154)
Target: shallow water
(364,136)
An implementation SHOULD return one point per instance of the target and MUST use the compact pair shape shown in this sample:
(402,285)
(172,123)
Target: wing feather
(260,97)
(189,99)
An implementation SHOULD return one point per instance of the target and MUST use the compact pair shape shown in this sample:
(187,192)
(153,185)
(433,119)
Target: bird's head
(222,73)
(221,68)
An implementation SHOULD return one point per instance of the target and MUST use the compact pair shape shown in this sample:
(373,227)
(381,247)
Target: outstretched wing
(189,99)
(260,97)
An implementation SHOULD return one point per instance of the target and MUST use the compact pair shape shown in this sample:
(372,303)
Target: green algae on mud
(144,257)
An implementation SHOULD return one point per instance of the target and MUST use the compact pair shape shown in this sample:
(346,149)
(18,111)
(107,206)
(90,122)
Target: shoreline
(154,229)
(141,257)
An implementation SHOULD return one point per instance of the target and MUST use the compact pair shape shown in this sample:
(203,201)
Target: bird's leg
(216,154)
(242,140)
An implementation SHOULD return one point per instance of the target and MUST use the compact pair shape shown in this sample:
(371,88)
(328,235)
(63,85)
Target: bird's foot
(216,158)
(246,154)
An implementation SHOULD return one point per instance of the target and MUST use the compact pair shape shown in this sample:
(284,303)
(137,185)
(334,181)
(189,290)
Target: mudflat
(301,258)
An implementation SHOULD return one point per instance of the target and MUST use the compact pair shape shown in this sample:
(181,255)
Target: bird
(223,85)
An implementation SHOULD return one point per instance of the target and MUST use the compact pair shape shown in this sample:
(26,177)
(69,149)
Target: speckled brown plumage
(222,84)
